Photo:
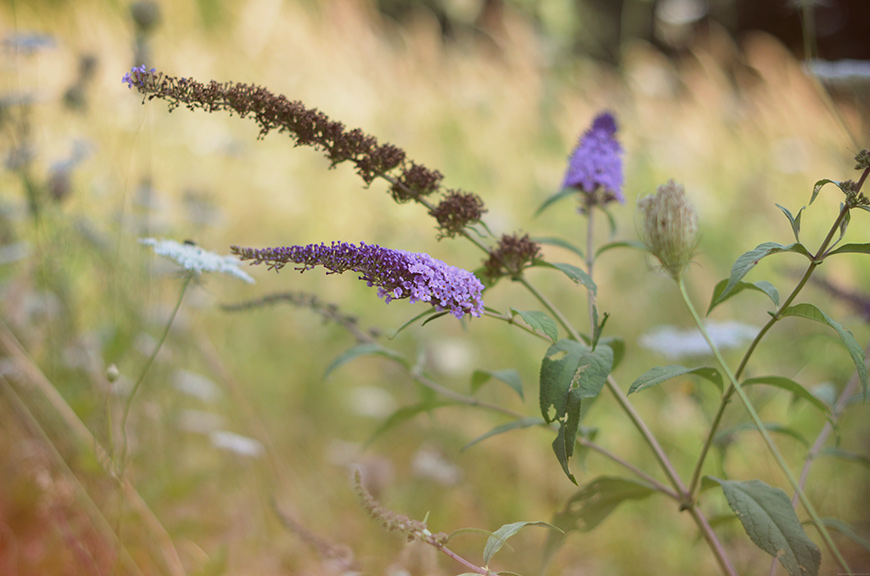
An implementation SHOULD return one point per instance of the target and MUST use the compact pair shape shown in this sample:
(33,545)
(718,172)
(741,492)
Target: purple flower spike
(396,273)
(597,161)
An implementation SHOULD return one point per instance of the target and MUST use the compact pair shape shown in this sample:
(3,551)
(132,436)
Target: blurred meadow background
(239,448)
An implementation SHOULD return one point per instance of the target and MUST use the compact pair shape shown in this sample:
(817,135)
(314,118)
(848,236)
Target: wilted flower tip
(137,76)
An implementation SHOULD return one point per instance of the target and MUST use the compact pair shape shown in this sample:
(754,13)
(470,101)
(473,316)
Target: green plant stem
(808,506)
(566,324)
(10,347)
(144,372)
(513,322)
(447,551)
(474,402)
(590,263)
(681,492)
(822,438)
(621,399)
(101,525)
(729,392)
(683,495)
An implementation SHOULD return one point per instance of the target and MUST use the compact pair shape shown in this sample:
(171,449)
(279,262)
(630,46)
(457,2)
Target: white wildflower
(676,343)
(195,385)
(232,442)
(191,257)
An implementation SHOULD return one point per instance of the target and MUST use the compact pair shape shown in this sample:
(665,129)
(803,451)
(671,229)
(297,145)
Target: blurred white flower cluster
(193,258)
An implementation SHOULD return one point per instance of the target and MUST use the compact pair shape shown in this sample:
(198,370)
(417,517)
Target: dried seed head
(669,227)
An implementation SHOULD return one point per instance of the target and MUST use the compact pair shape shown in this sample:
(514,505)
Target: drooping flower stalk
(396,273)
(409,180)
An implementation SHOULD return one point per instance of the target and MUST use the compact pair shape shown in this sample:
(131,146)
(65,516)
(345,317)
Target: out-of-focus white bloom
(680,343)
(14,252)
(371,401)
(195,385)
(192,257)
(839,70)
(431,464)
(241,445)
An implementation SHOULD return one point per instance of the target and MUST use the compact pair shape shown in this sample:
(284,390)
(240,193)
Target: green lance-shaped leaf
(407,413)
(560,242)
(538,321)
(576,274)
(844,224)
(659,374)
(568,366)
(597,500)
(598,327)
(725,437)
(563,193)
(771,522)
(747,261)
(846,531)
(369,349)
(762,286)
(509,376)
(498,538)
(817,187)
(515,425)
(789,385)
(812,312)
(850,249)
(795,221)
(620,244)
(563,451)
(570,372)
(847,456)
(594,502)
(413,320)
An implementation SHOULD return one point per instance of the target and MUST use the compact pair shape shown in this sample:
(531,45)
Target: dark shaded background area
(598,27)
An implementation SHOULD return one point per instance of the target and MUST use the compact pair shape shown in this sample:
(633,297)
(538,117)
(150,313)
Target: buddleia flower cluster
(595,166)
(396,273)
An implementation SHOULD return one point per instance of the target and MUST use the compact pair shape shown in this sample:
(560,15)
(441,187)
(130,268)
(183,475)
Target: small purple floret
(137,75)
(597,160)
(396,273)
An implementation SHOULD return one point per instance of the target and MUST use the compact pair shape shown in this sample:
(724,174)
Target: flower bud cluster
(456,211)
(512,255)
(669,227)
